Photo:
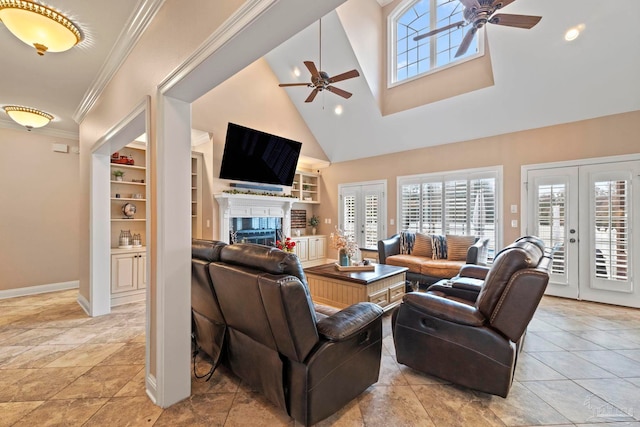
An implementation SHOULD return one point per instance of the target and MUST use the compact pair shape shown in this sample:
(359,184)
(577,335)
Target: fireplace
(254,218)
(261,230)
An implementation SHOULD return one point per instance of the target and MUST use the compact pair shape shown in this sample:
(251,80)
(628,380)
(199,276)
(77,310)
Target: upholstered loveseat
(416,252)
(252,309)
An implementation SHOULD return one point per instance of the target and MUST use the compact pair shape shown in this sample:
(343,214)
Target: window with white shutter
(461,203)
(612,230)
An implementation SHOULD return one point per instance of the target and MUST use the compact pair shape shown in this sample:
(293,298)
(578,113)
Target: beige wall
(39,216)
(605,136)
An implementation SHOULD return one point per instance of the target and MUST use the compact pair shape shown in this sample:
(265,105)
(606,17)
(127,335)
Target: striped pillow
(439,246)
(422,245)
(457,247)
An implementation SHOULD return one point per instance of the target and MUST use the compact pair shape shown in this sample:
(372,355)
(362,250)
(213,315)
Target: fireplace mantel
(232,205)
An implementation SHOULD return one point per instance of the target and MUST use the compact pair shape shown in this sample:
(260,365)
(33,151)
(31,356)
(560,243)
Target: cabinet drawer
(396,292)
(381,297)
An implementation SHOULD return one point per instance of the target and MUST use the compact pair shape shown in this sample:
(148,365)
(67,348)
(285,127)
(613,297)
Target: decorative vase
(343,259)
(313,231)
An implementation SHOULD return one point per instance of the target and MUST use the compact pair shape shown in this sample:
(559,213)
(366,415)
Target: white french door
(588,214)
(362,212)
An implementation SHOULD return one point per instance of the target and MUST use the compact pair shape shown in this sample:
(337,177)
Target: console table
(383,286)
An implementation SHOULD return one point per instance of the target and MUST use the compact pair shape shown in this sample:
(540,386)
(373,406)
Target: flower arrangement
(343,242)
(286,245)
(314,221)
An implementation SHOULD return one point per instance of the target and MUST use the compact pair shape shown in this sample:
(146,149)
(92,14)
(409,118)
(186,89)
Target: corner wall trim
(152,388)
(39,289)
(84,304)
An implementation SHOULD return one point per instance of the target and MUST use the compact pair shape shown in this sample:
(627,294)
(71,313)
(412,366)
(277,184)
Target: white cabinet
(301,248)
(311,250)
(317,247)
(128,275)
(306,187)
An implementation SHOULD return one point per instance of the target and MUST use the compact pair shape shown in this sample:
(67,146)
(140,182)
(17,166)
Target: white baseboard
(152,388)
(84,303)
(40,289)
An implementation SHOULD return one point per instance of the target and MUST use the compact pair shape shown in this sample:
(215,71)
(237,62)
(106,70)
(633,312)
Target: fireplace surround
(260,214)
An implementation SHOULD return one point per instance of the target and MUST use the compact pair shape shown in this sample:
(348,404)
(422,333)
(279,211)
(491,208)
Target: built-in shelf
(128,182)
(306,187)
(128,266)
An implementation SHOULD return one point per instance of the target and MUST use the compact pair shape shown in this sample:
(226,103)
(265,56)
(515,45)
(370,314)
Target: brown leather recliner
(307,364)
(474,343)
(208,325)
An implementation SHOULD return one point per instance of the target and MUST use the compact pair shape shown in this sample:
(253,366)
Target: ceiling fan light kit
(478,13)
(27,116)
(46,29)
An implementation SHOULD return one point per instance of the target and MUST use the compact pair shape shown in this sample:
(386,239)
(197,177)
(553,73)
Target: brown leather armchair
(473,343)
(308,364)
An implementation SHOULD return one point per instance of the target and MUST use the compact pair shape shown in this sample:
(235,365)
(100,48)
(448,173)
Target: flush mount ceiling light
(39,26)
(28,117)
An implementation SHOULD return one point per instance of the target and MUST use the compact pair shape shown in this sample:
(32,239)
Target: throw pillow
(407,238)
(439,246)
(458,246)
(422,245)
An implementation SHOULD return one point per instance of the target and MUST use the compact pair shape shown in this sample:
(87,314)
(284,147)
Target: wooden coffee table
(383,286)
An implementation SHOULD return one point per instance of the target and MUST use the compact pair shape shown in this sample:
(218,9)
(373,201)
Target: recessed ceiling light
(338,110)
(296,71)
(573,33)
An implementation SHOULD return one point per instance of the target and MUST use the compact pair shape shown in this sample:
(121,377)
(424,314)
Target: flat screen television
(255,156)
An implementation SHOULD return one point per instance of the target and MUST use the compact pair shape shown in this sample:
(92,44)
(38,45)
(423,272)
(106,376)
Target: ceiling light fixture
(573,32)
(39,26)
(338,110)
(28,117)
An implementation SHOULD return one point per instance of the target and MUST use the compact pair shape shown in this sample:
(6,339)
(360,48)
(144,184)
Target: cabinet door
(302,249)
(313,248)
(141,273)
(123,274)
(321,247)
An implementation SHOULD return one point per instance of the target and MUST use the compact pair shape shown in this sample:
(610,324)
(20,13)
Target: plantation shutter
(371,221)
(612,230)
(410,207)
(349,209)
(456,207)
(432,208)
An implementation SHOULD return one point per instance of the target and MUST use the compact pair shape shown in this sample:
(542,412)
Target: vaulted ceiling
(540,79)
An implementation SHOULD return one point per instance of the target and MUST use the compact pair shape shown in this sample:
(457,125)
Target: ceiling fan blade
(312,95)
(293,84)
(344,76)
(340,92)
(499,4)
(518,21)
(312,69)
(439,30)
(466,41)
(469,4)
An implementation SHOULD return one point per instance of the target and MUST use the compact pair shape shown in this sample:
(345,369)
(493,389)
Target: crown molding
(383,3)
(48,131)
(137,24)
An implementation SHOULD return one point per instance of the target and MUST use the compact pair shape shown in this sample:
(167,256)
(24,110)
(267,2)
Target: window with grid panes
(460,203)
(412,18)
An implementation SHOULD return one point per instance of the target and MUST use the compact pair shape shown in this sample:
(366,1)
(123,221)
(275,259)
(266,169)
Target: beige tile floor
(580,366)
